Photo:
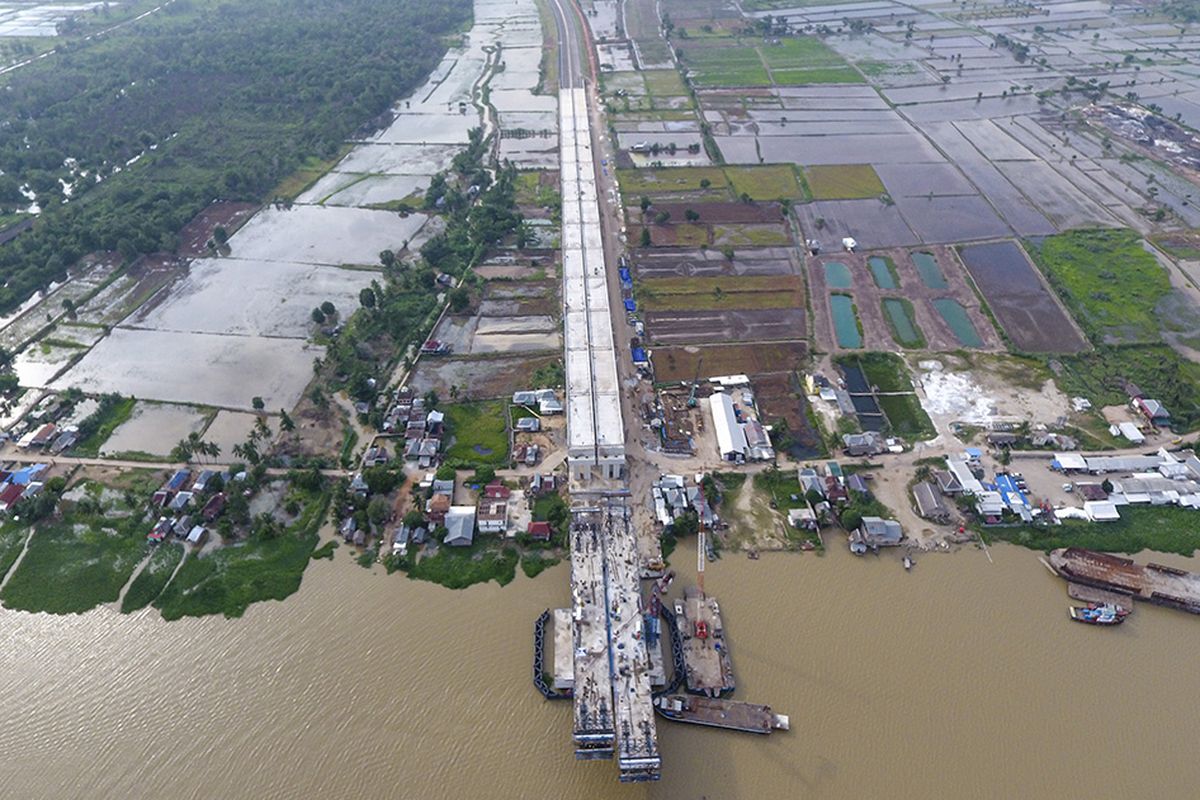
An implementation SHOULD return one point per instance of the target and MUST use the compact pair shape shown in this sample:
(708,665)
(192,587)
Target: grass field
(800,51)
(906,416)
(76,562)
(843,182)
(681,363)
(664,83)
(532,564)
(153,578)
(478,432)
(460,567)
(732,293)
(885,371)
(1108,281)
(671,179)
(309,172)
(735,65)
(803,77)
(765,181)
(228,580)
(12,539)
(691,235)
(1166,529)
(750,235)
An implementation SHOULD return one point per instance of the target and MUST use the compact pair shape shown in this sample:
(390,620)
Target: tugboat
(1098,614)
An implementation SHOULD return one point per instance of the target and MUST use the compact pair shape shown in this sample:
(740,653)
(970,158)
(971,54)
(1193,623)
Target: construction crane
(691,403)
(701,552)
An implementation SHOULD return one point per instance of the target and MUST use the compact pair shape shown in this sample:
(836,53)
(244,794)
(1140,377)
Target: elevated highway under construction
(611,665)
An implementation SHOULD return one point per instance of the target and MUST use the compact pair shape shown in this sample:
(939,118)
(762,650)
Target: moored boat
(1098,614)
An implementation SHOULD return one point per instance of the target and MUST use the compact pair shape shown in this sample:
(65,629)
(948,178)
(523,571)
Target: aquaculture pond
(870,417)
(837,275)
(899,314)
(881,271)
(928,269)
(956,317)
(845,321)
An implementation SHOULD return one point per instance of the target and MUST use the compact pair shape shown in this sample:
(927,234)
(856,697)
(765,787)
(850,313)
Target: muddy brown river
(962,679)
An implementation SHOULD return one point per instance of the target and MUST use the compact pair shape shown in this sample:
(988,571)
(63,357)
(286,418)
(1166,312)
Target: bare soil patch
(193,237)
(681,363)
(482,378)
(699,327)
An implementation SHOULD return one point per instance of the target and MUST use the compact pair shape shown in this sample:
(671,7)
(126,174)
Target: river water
(962,679)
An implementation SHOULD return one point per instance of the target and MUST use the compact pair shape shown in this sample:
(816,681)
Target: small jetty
(1154,583)
(708,666)
(715,712)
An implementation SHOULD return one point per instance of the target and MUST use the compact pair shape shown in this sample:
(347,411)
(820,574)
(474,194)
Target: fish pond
(837,275)
(927,268)
(845,321)
(900,319)
(956,317)
(883,271)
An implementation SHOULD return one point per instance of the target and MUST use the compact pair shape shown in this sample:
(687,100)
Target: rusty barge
(717,713)
(1154,583)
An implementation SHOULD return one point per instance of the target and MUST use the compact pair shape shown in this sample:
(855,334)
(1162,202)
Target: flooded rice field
(274,298)
(41,362)
(155,428)
(321,235)
(230,428)
(202,368)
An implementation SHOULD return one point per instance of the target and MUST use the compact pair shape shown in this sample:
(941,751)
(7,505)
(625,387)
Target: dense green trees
(212,99)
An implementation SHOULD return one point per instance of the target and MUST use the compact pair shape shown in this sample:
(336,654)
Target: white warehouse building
(731,438)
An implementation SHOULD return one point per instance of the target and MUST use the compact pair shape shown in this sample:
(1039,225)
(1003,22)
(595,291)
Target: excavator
(691,401)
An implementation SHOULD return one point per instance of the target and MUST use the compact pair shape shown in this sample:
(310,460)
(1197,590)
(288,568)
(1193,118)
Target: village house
(539,531)
(875,532)
(436,509)
(213,508)
(1154,411)
(460,526)
(802,518)
(868,443)
(929,503)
